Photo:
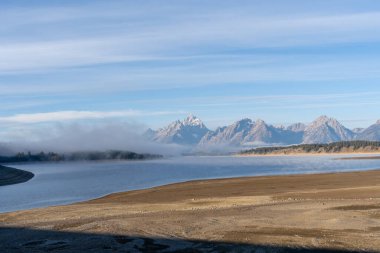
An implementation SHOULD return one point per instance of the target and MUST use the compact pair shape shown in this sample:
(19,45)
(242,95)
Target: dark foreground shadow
(25,240)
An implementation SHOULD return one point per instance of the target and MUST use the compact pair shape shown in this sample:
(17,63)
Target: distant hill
(331,148)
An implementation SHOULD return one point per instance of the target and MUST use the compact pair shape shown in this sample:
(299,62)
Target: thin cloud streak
(200,101)
(193,35)
(193,75)
(78,115)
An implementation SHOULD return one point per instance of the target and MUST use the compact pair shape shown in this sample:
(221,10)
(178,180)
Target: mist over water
(73,137)
(68,182)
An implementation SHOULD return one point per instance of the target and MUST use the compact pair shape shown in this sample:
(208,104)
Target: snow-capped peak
(186,132)
(378,122)
(323,120)
(192,121)
(325,130)
(260,122)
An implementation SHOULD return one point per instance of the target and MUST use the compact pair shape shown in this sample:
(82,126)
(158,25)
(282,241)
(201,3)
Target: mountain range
(248,133)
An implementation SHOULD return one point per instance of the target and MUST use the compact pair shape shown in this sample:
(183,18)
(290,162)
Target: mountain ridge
(186,132)
(246,132)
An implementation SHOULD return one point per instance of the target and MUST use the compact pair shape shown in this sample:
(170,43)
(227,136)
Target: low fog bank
(64,138)
(214,149)
(227,149)
(76,137)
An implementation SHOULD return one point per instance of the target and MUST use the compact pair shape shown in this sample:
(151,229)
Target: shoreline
(339,210)
(270,178)
(9,176)
(361,158)
(273,176)
(311,154)
(210,181)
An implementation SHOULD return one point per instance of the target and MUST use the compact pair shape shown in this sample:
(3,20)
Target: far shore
(361,158)
(334,211)
(10,176)
(353,154)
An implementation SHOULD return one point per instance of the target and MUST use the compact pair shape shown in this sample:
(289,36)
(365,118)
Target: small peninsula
(10,176)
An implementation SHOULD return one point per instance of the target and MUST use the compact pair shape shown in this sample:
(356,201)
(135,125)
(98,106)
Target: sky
(150,62)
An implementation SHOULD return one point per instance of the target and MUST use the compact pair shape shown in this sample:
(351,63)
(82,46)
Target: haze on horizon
(127,65)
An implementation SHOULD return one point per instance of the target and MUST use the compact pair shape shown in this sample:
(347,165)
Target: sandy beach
(326,212)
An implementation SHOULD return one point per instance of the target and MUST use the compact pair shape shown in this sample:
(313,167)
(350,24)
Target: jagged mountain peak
(324,120)
(372,133)
(240,124)
(186,132)
(192,120)
(246,132)
(244,121)
(177,122)
(260,122)
(297,127)
(326,130)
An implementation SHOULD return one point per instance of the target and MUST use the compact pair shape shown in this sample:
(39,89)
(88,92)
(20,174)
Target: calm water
(63,183)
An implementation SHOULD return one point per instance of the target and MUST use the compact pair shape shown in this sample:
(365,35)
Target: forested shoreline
(76,156)
(335,147)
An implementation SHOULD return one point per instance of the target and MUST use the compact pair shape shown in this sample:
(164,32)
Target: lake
(69,182)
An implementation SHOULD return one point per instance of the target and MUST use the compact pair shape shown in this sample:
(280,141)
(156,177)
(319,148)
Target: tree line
(76,156)
(334,147)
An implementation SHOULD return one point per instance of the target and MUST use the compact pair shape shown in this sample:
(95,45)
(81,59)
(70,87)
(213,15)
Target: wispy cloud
(206,101)
(43,56)
(187,35)
(200,73)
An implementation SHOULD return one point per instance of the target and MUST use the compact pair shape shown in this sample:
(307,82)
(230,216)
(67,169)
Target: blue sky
(156,61)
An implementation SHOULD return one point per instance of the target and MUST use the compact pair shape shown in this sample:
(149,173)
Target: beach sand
(338,211)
